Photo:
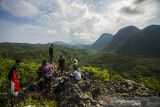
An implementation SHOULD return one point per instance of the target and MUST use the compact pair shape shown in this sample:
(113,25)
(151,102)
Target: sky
(76,21)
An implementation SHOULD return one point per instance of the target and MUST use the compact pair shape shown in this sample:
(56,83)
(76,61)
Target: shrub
(37,103)
(151,82)
(116,77)
(99,74)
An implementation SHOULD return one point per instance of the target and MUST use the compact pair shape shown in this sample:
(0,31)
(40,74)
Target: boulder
(96,92)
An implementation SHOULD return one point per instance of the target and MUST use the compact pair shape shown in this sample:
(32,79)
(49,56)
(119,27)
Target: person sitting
(77,74)
(41,69)
(45,71)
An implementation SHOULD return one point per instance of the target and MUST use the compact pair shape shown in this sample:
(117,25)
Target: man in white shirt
(77,75)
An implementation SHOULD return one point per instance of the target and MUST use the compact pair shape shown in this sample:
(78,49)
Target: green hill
(102,41)
(121,37)
(145,42)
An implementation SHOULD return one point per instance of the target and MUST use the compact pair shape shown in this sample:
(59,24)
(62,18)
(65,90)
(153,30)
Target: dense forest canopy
(138,68)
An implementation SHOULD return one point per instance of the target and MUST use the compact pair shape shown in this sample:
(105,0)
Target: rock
(85,85)
(101,102)
(125,94)
(30,106)
(97,105)
(93,102)
(88,92)
(142,92)
(96,92)
(81,104)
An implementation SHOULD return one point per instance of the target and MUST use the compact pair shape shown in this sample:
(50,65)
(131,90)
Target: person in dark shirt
(75,65)
(61,64)
(51,54)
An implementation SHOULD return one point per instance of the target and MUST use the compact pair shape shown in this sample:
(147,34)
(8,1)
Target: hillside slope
(121,37)
(102,41)
(145,42)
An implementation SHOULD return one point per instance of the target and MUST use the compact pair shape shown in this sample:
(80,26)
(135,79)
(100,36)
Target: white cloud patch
(78,20)
(25,33)
(19,8)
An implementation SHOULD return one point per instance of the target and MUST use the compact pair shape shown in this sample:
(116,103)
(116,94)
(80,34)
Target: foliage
(151,82)
(37,103)
(117,66)
(5,65)
(27,73)
(27,70)
(144,42)
(128,67)
(98,73)
(116,77)
(39,52)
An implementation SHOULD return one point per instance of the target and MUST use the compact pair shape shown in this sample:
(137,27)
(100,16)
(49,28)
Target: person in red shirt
(14,81)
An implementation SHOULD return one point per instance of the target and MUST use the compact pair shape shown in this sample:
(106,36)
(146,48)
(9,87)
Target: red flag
(15,81)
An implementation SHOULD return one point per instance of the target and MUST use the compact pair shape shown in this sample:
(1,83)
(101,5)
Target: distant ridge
(102,41)
(59,43)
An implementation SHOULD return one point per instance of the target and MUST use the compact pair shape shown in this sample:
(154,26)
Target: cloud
(19,8)
(76,20)
(25,33)
(139,1)
(132,10)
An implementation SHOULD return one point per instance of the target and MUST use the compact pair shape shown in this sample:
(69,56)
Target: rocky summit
(89,92)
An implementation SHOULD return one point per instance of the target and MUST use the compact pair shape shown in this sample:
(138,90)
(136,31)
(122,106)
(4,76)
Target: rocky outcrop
(129,88)
(87,92)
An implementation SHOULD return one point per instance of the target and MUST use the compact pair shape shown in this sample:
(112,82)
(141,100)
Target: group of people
(61,64)
(45,71)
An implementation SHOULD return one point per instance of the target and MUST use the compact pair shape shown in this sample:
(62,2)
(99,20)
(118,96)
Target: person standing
(61,65)
(13,77)
(51,54)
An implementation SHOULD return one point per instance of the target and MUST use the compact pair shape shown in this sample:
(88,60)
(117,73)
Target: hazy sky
(42,21)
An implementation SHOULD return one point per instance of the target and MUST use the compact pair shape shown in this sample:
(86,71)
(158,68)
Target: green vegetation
(39,52)
(140,69)
(27,70)
(99,74)
(152,82)
(27,74)
(104,66)
(37,103)
(116,77)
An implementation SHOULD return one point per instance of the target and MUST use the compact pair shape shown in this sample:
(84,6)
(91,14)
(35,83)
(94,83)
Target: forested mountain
(102,41)
(121,37)
(145,42)
(131,41)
